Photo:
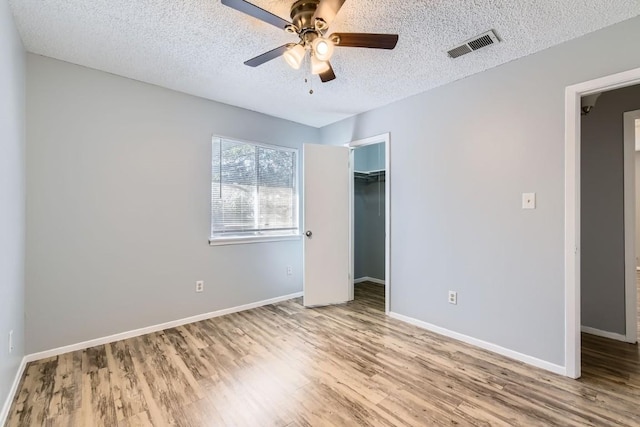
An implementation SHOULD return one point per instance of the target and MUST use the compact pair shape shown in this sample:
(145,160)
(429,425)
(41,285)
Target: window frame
(269,236)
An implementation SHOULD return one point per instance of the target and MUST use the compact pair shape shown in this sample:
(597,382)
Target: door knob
(308,233)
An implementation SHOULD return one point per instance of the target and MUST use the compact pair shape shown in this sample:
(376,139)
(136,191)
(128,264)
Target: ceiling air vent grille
(459,51)
(478,42)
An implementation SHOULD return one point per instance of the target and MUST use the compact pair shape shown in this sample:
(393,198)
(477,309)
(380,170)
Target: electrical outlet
(200,286)
(453,297)
(289,270)
(10,341)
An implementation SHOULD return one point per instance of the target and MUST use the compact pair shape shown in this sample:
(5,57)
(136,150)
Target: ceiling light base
(302,14)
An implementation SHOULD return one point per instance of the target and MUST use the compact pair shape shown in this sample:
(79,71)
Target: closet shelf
(370,176)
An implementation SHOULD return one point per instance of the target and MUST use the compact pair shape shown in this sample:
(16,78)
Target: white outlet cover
(453,297)
(528,200)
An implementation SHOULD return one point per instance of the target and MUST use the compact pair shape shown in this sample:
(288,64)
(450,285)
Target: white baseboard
(611,335)
(154,328)
(369,279)
(530,360)
(12,392)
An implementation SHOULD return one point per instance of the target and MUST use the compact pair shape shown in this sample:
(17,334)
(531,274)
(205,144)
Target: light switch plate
(528,200)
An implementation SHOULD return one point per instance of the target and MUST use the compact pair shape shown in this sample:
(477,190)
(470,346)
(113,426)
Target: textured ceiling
(199,46)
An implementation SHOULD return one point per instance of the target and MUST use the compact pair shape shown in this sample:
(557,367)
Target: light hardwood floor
(284,365)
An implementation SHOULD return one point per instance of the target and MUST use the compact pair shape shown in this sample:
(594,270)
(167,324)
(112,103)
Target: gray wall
(602,210)
(118,178)
(369,158)
(461,156)
(12,198)
(369,215)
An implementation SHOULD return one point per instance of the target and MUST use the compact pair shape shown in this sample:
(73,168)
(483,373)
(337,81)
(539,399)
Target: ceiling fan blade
(370,40)
(268,56)
(327,10)
(328,75)
(257,12)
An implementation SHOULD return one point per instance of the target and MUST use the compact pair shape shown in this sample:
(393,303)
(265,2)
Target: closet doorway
(370,216)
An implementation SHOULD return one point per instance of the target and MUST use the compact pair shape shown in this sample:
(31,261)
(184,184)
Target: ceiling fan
(310,22)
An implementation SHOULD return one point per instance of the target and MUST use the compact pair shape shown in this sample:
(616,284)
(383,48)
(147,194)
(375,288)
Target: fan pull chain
(309,77)
(307,80)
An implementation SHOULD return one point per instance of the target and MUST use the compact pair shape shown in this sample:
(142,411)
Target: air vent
(459,51)
(478,42)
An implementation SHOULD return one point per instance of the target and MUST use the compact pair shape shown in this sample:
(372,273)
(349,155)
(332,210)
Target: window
(254,191)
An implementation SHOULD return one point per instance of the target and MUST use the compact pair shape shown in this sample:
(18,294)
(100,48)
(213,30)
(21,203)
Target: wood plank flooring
(284,365)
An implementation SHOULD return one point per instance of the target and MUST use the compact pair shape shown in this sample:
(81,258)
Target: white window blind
(254,190)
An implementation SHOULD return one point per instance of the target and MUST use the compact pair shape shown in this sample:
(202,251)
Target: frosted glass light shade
(322,48)
(318,66)
(294,56)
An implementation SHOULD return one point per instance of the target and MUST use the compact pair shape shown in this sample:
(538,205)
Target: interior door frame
(631,289)
(572,257)
(386,139)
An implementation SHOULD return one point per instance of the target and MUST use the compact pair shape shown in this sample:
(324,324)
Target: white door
(326,222)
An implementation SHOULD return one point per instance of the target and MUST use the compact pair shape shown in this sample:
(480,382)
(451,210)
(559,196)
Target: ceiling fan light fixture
(322,48)
(310,21)
(294,56)
(318,66)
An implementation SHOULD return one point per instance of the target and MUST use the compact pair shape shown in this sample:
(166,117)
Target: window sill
(222,241)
